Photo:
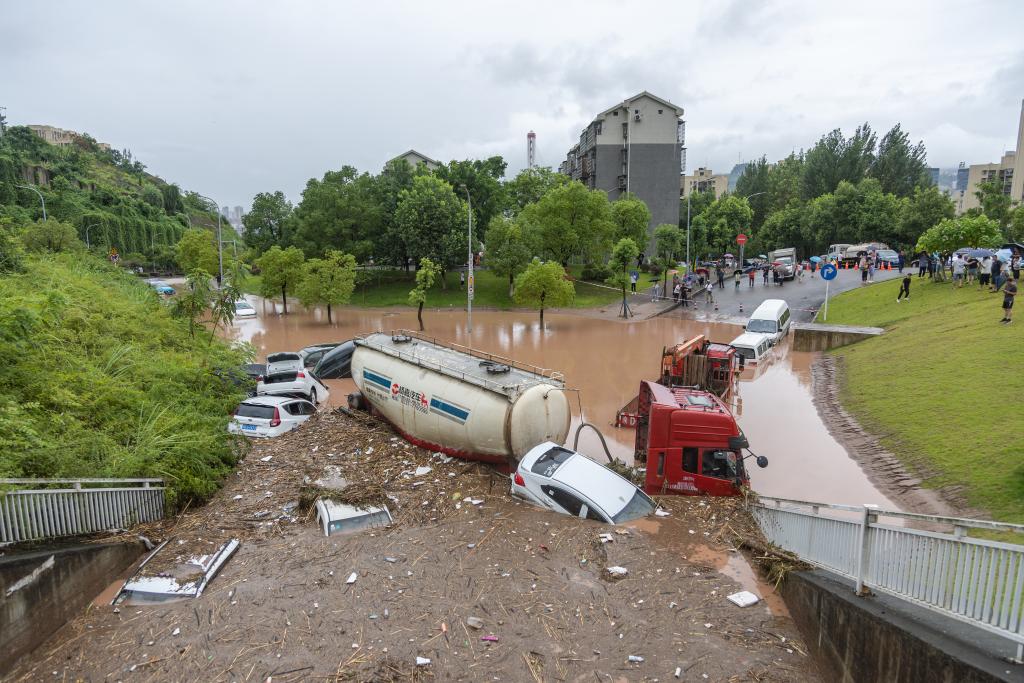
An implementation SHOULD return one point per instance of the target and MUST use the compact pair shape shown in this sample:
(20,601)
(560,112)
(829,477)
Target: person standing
(1009,293)
(633,277)
(720,274)
(764,275)
(984,271)
(922,264)
(902,261)
(462,279)
(863,265)
(904,288)
(708,296)
(736,279)
(750,277)
(958,271)
(997,274)
(1015,265)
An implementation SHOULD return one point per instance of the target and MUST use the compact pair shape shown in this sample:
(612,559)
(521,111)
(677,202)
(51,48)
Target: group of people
(990,272)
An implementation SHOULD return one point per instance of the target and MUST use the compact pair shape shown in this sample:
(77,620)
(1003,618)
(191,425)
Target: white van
(772,318)
(752,346)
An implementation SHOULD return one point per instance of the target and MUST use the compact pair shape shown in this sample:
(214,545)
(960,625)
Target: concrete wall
(66,580)
(866,640)
(820,337)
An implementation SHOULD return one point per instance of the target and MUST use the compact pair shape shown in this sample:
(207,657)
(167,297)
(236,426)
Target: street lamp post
(220,246)
(91,225)
(469,278)
(36,190)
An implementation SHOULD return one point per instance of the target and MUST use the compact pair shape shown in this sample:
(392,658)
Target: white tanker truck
(458,401)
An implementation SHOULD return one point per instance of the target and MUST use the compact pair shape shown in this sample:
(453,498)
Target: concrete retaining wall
(818,337)
(866,640)
(48,587)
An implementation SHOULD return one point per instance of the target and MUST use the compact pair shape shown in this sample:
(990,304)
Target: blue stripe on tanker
(449,410)
(380,380)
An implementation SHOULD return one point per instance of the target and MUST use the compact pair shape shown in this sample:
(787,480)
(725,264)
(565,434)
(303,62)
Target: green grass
(944,386)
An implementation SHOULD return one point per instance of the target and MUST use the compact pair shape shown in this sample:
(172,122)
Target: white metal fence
(49,508)
(974,580)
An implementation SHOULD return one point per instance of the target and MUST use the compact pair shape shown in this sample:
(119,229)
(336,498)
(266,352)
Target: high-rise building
(704,180)
(1008,172)
(634,146)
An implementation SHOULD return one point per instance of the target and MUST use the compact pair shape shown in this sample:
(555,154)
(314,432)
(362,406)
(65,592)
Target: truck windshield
(720,464)
(760,325)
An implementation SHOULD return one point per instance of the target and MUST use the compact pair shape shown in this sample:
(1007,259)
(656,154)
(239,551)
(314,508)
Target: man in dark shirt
(997,271)
(1009,293)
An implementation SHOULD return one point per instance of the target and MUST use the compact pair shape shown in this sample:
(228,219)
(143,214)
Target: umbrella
(979,253)
(728,256)
(815,259)
(762,256)
(962,250)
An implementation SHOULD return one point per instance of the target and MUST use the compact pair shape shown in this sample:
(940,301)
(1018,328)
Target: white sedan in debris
(286,376)
(267,416)
(565,481)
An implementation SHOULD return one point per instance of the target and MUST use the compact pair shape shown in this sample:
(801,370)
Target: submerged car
(312,354)
(244,309)
(161,287)
(285,376)
(570,483)
(336,363)
(267,416)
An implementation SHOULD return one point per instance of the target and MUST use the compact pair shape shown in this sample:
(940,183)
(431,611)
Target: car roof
(271,400)
(606,488)
(750,339)
(770,308)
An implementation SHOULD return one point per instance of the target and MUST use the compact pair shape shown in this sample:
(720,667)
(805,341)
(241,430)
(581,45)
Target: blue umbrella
(979,253)
(815,259)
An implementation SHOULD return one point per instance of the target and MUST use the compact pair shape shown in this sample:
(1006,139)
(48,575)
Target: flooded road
(605,361)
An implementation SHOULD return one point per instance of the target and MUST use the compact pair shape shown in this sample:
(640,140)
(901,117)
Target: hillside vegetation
(943,387)
(98,379)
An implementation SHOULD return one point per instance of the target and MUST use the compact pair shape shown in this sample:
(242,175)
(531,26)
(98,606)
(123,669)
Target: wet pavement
(605,361)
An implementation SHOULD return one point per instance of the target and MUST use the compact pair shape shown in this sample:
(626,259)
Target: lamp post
(91,225)
(220,246)
(469,278)
(36,190)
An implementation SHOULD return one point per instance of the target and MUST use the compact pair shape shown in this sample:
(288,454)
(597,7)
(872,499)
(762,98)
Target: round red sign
(741,239)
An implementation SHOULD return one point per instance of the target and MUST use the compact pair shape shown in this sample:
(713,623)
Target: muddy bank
(486,589)
(881,466)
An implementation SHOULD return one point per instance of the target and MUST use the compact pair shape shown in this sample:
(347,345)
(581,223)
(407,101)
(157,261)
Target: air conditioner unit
(637,117)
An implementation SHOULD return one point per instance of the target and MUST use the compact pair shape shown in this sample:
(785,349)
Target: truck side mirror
(762,461)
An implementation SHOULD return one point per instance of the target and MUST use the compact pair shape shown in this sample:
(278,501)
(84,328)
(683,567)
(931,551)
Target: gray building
(636,146)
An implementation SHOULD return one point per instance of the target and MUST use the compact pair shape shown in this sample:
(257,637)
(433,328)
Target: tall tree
(426,274)
(51,235)
(281,270)
(951,234)
(667,241)
(994,203)
(387,187)
(196,251)
(427,216)
(329,281)
(836,158)
(507,252)
(482,177)
(266,223)
(754,184)
(339,212)
(570,220)
(899,166)
(631,217)
(726,218)
(924,209)
(543,285)
(530,185)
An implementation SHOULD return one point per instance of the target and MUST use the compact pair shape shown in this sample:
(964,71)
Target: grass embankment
(98,380)
(944,385)
(391,288)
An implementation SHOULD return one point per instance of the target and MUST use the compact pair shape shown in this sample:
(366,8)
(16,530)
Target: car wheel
(312,395)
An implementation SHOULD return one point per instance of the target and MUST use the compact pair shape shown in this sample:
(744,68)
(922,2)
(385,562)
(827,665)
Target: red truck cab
(690,442)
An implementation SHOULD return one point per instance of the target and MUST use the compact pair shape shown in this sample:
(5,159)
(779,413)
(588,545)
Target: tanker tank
(465,403)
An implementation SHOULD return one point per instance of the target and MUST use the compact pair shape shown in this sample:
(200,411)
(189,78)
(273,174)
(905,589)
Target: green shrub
(596,273)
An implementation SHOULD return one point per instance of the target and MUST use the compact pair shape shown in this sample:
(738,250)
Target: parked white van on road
(752,346)
(771,317)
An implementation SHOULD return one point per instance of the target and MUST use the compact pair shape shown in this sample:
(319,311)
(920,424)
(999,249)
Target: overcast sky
(234,98)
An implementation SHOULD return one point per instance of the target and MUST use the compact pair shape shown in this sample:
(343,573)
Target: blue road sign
(828,272)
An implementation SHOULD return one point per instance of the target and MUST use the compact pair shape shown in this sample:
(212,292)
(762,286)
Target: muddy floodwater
(605,361)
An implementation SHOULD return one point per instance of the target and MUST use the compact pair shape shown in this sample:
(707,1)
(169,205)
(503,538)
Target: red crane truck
(690,442)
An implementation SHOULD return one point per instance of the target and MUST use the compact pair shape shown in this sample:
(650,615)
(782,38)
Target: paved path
(804,298)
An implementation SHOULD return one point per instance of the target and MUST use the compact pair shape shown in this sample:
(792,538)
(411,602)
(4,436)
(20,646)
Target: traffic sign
(741,239)
(469,286)
(828,272)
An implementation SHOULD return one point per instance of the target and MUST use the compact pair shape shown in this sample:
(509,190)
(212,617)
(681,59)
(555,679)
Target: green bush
(98,380)
(596,273)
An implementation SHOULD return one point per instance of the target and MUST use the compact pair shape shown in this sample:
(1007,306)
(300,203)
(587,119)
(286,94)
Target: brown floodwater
(605,361)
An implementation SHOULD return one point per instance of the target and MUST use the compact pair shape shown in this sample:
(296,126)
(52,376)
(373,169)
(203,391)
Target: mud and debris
(468,584)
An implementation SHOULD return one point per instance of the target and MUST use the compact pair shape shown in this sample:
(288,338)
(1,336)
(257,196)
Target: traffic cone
(741,307)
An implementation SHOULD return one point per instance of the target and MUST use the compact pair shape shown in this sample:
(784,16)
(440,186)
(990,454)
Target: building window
(615,113)
(659,111)
(598,130)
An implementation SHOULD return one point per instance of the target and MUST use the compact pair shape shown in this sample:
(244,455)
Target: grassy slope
(392,289)
(944,383)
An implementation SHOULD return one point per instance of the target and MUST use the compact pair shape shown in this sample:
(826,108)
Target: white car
(285,376)
(567,482)
(267,416)
(244,309)
(752,346)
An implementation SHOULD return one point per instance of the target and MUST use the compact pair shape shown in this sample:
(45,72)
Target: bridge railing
(36,509)
(974,580)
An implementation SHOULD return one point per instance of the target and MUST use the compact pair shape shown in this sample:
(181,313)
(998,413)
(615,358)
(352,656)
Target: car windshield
(785,260)
(257,411)
(761,325)
(242,304)
(547,464)
(640,505)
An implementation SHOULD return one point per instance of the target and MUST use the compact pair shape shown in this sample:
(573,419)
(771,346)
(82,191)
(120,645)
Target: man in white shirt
(958,271)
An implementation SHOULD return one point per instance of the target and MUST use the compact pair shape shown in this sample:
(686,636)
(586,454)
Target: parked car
(311,355)
(772,317)
(336,363)
(752,346)
(567,482)
(161,287)
(244,309)
(285,376)
(888,256)
(267,416)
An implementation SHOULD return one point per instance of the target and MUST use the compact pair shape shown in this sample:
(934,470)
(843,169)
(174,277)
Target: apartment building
(414,158)
(1008,172)
(59,136)
(704,180)
(636,146)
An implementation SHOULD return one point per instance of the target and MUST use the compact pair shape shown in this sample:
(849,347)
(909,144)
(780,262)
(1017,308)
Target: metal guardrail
(974,580)
(79,506)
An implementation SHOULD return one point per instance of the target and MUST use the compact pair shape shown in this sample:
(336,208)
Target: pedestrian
(904,288)
(985,271)
(640,259)
(750,277)
(676,288)
(1015,264)
(863,265)
(902,260)
(958,271)
(997,274)
(1009,293)
(736,279)
(720,274)
(972,269)
(764,275)
(462,279)
(709,297)
(684,294)
(633,277)
(922,264)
